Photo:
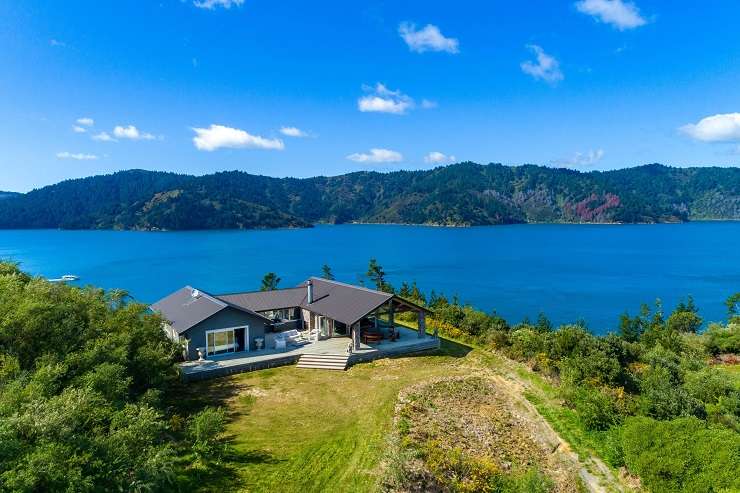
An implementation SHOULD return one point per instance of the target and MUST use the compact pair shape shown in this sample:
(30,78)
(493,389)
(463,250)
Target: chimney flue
(309,287)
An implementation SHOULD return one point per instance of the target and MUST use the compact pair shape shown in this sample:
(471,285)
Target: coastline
(370,223)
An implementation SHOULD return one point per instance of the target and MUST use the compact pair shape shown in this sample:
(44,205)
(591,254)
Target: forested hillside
(463,194)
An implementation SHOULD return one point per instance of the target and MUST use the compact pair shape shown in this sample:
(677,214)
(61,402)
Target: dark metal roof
(267,300)
(343,302)
(339,301)
(188,307)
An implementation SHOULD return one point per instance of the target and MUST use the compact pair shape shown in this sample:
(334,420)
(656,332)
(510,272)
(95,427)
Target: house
(318,309)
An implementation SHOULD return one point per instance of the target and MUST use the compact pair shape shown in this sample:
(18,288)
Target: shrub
(663,397)
(725,339)
(568,340)
(594,367)
(498,339)
(684,321)
(682,455)
(204,430)
(526,343)
(81,376)
(596,408)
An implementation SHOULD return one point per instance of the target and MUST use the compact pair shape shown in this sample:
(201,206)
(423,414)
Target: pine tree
(270,282)
(327,273)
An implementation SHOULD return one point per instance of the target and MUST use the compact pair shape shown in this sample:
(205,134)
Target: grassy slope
(305,430)
(297,430)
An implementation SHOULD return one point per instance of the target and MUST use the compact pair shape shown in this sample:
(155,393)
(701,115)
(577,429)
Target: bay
(569,272)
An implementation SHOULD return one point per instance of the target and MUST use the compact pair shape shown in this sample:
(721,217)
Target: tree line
(460,194)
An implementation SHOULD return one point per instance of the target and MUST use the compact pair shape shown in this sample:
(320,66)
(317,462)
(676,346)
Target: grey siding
(229,317)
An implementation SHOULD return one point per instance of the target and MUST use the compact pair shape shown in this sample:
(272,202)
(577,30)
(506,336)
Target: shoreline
(363,223)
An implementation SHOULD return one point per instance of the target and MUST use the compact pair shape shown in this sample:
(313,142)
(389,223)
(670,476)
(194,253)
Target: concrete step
(311,357)
(323,361)
(322,365)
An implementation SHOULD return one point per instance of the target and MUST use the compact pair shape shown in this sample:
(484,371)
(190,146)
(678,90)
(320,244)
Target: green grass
(733,371)
(294,430)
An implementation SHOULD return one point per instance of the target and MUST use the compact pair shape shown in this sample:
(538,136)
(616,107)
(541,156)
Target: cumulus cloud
(132,133)
(545,67)
(218,136)
(436,157)
(581,159)
(376,156)
(428,104)
(86,121)
(77,156)
(57,43)
(293,132)
(78,130)
(212,4)
(429,38)
(383,100)
(717,128)
(622,15)
(103,137)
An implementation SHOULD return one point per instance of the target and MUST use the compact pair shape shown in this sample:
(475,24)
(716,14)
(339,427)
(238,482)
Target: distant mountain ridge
(7,195)
(464,194)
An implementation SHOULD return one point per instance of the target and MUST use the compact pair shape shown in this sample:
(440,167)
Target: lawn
(312,430)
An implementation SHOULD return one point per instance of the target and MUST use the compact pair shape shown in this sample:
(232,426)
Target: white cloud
(376,156)
(436,157)
(582,159)
(132,133)
(78,130)
(383,100)
(86,121)
(717,128)
(103,137)
(427,39)
(77,156)
(620,14)
(218,136)
(212,4)
(293,132)
(428,104)
(546,67)
(56,42)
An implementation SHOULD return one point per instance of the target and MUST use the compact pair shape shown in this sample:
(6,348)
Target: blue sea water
(569,272)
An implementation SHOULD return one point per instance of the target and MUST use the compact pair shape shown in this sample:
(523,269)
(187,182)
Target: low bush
(204,431)
(597,409)
(682,455)
(723,339)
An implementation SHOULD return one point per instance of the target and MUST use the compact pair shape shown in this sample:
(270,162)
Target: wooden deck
(218,366)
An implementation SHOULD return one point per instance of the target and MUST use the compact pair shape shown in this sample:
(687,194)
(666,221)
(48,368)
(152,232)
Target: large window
(221,341)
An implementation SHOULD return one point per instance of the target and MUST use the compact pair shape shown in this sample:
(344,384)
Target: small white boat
(66,278)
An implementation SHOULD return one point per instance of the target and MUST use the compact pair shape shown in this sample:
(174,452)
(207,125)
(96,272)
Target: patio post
(391,316)
(422,324)
(356,336)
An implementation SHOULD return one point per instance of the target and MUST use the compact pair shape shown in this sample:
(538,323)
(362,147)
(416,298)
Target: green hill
(463,194)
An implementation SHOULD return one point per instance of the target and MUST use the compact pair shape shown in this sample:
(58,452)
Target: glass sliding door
(220,341)
(324,327)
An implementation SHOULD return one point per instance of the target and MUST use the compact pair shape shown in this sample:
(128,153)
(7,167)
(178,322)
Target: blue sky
(207,85)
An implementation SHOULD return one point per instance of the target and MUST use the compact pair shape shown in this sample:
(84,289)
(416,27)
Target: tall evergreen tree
(377,275)
(270,282)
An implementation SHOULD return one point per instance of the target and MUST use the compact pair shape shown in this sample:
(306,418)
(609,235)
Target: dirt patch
(472,434)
